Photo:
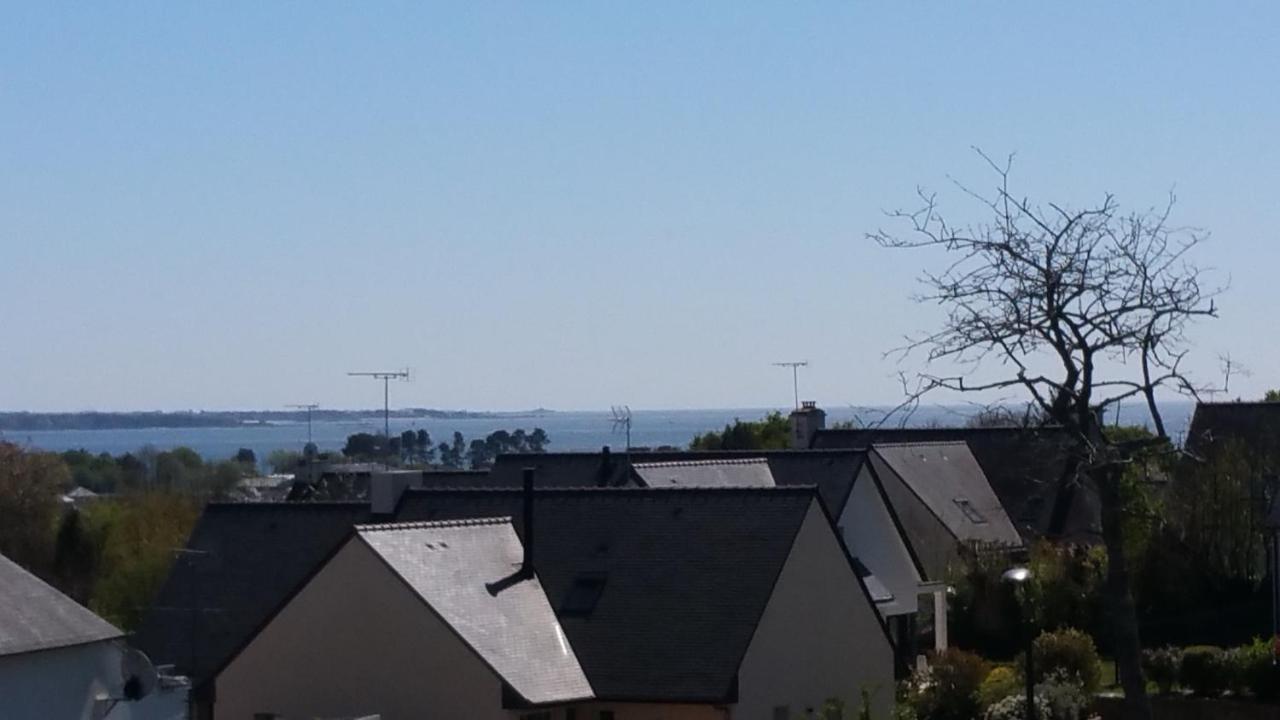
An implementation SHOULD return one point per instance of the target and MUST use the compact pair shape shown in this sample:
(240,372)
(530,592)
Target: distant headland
(95,420)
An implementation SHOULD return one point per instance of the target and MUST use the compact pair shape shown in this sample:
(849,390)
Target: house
(847,483)
(594,603)
(59,660)
(944,502)
(239,564)
(1031,470)
(1251,430)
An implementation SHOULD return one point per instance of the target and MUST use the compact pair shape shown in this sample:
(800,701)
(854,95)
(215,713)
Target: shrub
(1161,666)
(1059,697)
(1069,651)
(1014,707)
(1257,669)
(1000,683)
(948,690)
(1204,670)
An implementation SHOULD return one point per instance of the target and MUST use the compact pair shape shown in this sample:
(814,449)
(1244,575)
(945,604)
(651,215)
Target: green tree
(137,535)
(771,433)
(31,484)
(1271,396)
(426,451)
(284,461)
(247,458)
(100,473)
(75,558)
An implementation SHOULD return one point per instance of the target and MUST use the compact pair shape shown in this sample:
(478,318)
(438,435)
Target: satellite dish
(138,674)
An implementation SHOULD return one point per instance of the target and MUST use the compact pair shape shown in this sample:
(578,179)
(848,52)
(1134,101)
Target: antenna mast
(386,377)
(795,376)
(308,407)
(622,419)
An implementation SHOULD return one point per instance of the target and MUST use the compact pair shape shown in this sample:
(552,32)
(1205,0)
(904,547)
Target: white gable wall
(355,641)
(872,536)
(63,682)
(819,637)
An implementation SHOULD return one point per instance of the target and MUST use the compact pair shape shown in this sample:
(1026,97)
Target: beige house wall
(820,637)
(356,641)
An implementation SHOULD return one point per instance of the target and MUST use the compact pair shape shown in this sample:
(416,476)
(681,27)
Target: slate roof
(248,558)
(35,616)
(451,566)
(1031,470)
(745,472)
(1253,425)
(683,576)
(832,471)
(949,481)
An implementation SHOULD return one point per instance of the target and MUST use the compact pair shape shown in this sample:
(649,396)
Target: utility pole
(795,376)
(308,407)
(386,377)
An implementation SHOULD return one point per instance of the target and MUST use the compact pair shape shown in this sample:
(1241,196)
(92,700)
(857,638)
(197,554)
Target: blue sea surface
(568,430)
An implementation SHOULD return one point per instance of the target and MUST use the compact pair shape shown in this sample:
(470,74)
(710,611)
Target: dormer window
(971,512)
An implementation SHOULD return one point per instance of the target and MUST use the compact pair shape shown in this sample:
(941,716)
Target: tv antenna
(308,407)
(795,366)
(622,421)
(386,376)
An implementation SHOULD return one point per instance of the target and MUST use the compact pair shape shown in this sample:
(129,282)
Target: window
(971,512)
(782,712)
(583,595)
(536,716)
(606,715)
(570,714)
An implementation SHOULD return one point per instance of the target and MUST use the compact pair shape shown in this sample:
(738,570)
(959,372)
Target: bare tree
(1082,310)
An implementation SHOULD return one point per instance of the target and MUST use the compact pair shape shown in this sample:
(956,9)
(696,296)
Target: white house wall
(356,641)
(819,636)
(871,535)
(64,682)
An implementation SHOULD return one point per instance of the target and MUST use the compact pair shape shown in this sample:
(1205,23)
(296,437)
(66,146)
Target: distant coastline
(94,420)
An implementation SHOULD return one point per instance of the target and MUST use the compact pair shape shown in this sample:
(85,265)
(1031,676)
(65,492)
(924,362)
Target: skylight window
(583,595)
(971,512)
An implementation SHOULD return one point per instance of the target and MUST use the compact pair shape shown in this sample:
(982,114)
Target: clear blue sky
(569,204)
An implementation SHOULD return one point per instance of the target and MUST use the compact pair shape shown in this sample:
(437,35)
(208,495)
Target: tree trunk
(1121,610)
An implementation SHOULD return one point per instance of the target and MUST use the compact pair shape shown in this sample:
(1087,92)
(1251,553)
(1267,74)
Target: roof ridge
(920,443)
(674,489)
(433,524)
(705,461)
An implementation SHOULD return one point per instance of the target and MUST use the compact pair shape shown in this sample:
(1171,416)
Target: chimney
(806,421)
(526,570)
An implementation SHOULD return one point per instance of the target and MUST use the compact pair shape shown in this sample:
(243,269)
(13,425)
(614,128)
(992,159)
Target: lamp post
(1018,577)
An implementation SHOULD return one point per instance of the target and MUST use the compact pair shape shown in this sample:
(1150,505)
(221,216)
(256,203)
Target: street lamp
(1018,577)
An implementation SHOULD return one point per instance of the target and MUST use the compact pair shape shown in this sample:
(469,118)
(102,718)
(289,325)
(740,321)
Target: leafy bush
(1059,697)
(1257,669)
(1204,670)
(1000,683)
(1069,651)
(948,690)
(1014,707)
(1161,666)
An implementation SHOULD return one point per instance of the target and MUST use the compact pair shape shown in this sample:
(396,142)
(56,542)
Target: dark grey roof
(1252,426)
(245,560)
(949,481)
(682,576)
(35,616)
(452,566)
(832,471)
(744,472)
(1031,470)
